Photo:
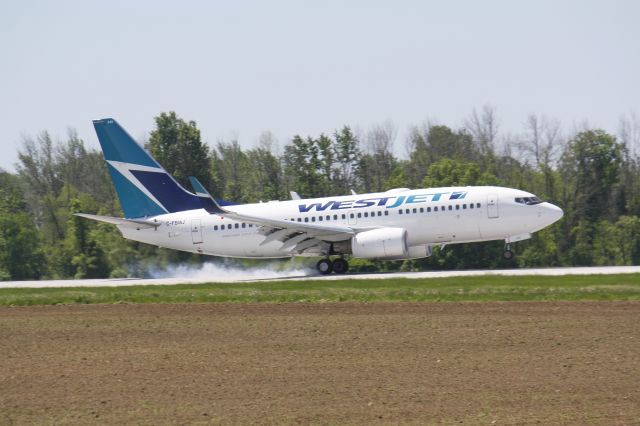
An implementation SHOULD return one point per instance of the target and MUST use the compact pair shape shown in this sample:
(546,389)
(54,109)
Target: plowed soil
(397,363)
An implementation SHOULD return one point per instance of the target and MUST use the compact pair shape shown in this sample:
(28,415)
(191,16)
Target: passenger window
(313,218)
(359,215)
(457,206)
(415,210)
(306,219)
(386,212)
(319,218)
(421,209)
(471,205)
(244,225)
(435,209)
(215,227)
(407,211)
(352,216)
(366,214)
(428,209)
(379,213)
(236,225)
(328,217)
(299,220)
(400,211)
(344,216)
(335,217)
(222,227)
(450,207)
(478,205)
(464,207)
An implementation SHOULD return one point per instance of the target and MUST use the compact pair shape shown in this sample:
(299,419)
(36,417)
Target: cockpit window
(528,200)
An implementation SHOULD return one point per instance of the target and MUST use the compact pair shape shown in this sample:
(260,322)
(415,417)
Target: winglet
(199,188)
(294,195)
(206,200)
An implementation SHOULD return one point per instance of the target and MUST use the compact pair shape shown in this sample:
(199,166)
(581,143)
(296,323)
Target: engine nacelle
(384,243)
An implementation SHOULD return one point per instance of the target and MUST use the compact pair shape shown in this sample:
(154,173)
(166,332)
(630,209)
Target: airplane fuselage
(432,216)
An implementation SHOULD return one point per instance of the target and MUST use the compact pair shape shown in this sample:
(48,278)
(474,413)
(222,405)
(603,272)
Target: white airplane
(396,224)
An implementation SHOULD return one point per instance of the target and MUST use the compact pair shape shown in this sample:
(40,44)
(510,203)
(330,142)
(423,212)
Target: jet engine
(381,243)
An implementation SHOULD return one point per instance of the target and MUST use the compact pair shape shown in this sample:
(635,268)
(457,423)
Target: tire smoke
(223,273)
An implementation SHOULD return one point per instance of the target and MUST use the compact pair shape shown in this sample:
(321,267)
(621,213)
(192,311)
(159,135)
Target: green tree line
(593,175)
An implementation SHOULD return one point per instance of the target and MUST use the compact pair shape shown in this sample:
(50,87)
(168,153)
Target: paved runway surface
(118,282)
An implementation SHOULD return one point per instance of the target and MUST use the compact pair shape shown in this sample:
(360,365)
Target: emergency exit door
(196,231)
(492,205)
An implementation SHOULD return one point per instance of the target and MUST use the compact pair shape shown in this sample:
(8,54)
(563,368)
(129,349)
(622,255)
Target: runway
(236,278)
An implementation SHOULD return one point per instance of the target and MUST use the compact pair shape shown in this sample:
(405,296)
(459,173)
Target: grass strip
(454,289)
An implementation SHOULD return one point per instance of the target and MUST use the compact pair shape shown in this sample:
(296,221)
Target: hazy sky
(241,67)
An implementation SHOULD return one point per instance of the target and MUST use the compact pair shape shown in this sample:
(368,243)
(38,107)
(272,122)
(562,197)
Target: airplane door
(492,206)
(196,231)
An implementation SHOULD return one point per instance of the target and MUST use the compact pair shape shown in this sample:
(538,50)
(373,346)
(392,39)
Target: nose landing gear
(326,266)
(507,254)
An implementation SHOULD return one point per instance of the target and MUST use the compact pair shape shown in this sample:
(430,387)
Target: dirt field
(474,363)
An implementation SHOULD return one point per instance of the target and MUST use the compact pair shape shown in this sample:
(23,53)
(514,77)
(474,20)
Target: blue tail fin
(143,186)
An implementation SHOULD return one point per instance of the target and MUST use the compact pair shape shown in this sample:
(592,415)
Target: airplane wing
(295,236)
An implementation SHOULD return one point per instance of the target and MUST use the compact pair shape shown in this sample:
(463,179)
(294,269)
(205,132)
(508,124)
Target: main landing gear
(326,266)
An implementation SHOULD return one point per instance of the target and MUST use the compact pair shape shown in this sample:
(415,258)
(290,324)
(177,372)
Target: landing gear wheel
(507,254)
(324,266)
(340,266)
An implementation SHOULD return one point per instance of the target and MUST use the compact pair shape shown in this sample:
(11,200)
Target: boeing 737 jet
(397,224)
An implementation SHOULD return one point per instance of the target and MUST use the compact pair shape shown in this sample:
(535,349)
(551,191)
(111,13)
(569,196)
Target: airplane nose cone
(554,212)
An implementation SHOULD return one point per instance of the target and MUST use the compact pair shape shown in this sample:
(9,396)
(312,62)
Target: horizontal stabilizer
(120,221)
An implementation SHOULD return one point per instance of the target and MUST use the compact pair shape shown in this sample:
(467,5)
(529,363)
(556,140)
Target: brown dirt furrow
(472,363)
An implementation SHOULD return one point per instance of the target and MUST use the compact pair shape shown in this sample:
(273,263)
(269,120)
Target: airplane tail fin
(143,186)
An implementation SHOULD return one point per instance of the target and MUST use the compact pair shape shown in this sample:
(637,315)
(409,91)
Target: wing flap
(302,246)
(277,235)
(291,242)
